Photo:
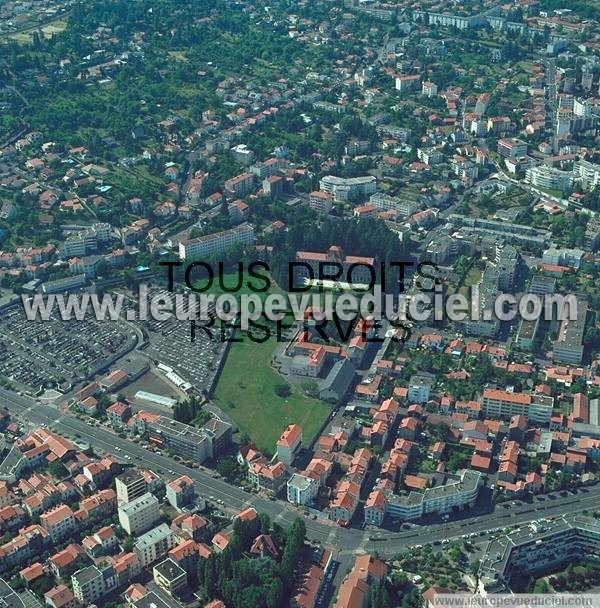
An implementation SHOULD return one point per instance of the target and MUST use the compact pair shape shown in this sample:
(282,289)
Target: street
(348,541)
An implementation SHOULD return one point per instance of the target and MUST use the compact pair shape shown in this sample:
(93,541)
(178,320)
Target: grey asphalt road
(348,541)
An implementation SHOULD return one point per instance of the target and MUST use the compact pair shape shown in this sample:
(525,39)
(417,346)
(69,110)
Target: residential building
(408,82)
(60,597)
(140,514)
(154,544)
(301,489)
(240,185)
(457,493)
(129,485)
(190,442)
(404,207)
(512,148)
(587,173)
(429,89)
(419,388)
(346,189)
(321,202)
(94,582)
(216,243)
(289,444)
(504,405)
(169,575)
(568,346)
(180,492)
(536,549)
(550,178)
(60,522)
(355,588)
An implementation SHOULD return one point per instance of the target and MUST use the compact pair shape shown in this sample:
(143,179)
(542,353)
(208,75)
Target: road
(348,541)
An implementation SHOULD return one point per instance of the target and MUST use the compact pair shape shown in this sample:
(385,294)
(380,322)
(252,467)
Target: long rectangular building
(216,243)
(504,405)
(538,548)
(348,188)
(458,493)
(403,206)
(190,442)
(568,346)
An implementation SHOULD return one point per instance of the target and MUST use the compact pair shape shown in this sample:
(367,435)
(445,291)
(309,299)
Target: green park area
(259,400)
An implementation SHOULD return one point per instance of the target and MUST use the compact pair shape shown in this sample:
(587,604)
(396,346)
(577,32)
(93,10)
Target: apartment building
(301,489)
(289,444)
(140,514)
(550,178)
(504,405)
(129,485)
(461,22)
(154,544)
(216,243)
(568,346)
(443,249)
(587,173)
(458,493)
(169,575)
(402,206)
(240,185)
(592,234)
(322,202)
(571,258)
(30,541)
(538,548)
(419,388)
(512,148)
(59,522)
(86,241)
(94,582)
(190,442)
(430,156)
(346,189)
(355,588)
(429,89)
(180,492)
(408,82)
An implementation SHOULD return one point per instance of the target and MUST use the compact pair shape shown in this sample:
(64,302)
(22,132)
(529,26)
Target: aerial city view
(299,303)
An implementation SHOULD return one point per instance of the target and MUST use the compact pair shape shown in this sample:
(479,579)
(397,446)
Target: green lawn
(473,276)
(246,391)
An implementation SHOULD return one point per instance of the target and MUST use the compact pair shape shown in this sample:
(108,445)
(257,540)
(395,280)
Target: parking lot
(57,352)
(171,343)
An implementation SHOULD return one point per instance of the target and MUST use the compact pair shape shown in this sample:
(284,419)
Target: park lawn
(473,276)
(231,280)
(246,392)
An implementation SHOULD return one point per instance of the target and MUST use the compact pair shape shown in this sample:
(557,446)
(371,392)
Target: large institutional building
(355,270)
(219,242)
(537,548)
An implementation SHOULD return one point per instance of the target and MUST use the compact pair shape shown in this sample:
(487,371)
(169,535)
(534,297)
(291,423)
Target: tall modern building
(154,544)
(129,485)
(140,514)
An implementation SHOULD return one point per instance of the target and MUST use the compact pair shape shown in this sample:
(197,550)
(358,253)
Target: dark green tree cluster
(243,582)
(362,238)
(189,410)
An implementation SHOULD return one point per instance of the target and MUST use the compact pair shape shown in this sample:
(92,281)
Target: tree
(57,469)
(283,390)
(228,468)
